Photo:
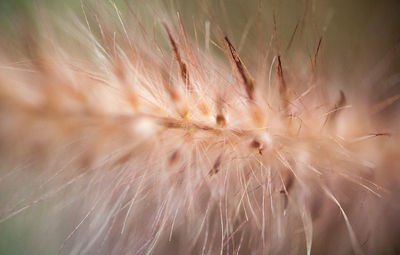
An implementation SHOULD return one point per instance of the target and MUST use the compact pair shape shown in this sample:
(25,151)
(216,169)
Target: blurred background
(358,31)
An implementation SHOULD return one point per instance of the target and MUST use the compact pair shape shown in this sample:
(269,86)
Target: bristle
(248,82)
(182,65)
